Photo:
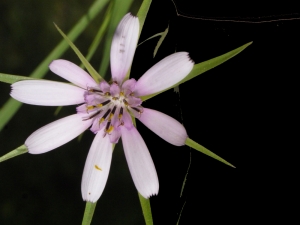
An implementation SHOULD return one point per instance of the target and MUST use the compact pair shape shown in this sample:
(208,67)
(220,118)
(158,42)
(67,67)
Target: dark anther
(92,116)
(106,114)
(114,110)
(105,103)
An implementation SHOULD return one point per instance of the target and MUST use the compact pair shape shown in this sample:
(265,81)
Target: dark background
(242,110)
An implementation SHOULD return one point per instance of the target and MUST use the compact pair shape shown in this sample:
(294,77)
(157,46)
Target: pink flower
(108,110)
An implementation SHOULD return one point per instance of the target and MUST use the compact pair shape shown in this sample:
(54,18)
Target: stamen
(92,116)
(104,116)
(125,102)
(109,128)
(90,107)
(101,120)
(114,109)
(112,113)
(138,110)
(94,90)
(103,103)
(121,113)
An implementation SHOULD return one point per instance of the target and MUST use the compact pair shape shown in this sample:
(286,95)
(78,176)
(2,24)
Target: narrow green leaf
(11,106)
(99,36)
(146,208)
(180,213)
(185,177)
(189,142)
(18,151)
(120,8)
(155,35)
(142,13)
(88,213)
(10,79)
(212,63)
(58,109)
(87,65)
(162,34)
(161,39)
(203,67)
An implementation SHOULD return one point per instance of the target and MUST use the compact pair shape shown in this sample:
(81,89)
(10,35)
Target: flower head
(108,109)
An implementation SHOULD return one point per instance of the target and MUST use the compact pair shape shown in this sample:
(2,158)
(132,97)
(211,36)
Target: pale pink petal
(96,168)
(136,111)
(82,109)
(115,135)
(133,101)
(164,126)
(47,93)
(72,73)
(96,123)
(56,134)
(126,119)
(123,46)
(129,84)
(93,99)
(114,90)
(104,86)
(139,162)
(164,74)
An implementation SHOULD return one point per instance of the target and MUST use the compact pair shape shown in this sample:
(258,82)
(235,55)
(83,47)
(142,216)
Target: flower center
(111,106)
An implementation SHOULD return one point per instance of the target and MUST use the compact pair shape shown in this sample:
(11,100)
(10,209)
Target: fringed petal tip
(155,193)
(130,14)
(190,58)
(164,74)
(140,163)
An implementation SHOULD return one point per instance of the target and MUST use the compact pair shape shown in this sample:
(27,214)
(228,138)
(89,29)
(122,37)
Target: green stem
(146,208)
(88,213)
